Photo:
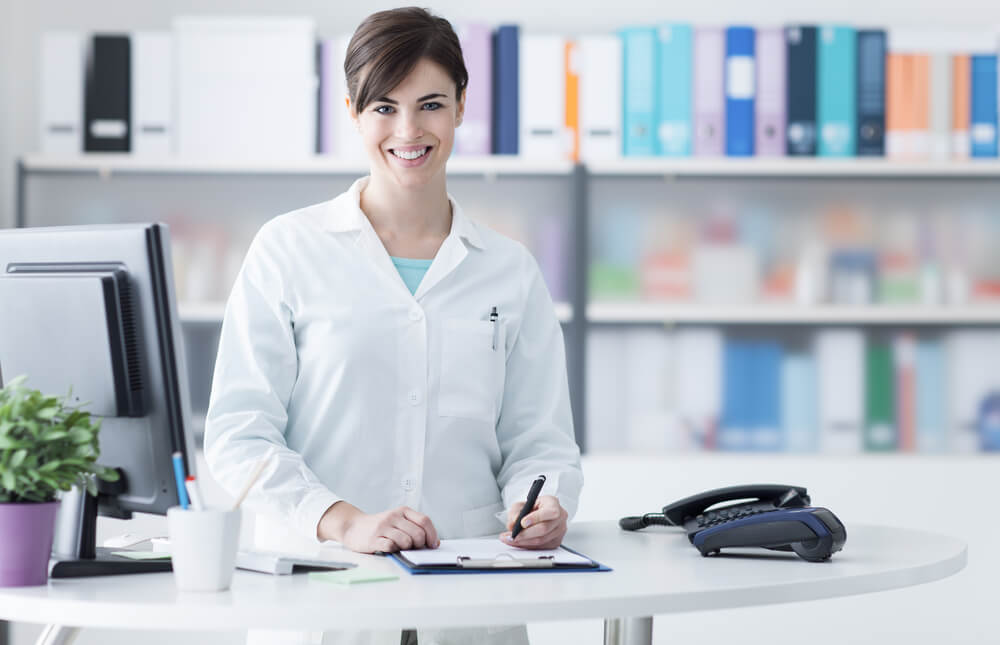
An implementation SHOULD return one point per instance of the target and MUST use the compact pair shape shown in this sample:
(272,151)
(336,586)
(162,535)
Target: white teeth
(411,155)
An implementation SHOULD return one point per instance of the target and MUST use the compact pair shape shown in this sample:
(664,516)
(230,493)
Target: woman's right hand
(389,531)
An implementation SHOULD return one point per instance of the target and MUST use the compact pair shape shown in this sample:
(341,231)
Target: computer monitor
(92,308)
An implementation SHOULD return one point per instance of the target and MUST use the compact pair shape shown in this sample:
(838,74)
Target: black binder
(800,41)
(107,114)
(871,93)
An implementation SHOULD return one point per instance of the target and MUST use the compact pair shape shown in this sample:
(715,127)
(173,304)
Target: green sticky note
(143,555)
(352,576)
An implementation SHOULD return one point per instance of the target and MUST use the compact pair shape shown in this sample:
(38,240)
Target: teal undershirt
(411,271)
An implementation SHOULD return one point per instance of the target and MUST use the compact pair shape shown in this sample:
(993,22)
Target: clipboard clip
(506,561)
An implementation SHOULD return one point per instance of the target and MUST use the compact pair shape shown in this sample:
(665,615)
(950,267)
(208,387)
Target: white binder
(542,91)
(600,65)
(152,84)
(840,360)
(61,95)
(246,87)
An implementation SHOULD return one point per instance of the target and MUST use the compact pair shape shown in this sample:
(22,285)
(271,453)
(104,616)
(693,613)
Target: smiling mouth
(410,155)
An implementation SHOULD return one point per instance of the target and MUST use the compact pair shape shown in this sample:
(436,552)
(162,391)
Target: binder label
(108,128)
(740,81)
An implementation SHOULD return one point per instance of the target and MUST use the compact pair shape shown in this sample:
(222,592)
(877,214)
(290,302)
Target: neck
(405,213)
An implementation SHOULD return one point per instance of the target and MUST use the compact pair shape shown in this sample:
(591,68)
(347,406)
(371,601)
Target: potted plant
(46,446)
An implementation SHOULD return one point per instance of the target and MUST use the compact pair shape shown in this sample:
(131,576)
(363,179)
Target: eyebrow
(386,99)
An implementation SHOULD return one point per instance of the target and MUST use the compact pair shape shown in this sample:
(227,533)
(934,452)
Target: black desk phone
(772,516)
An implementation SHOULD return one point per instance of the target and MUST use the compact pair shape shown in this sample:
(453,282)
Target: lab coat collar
(345,215)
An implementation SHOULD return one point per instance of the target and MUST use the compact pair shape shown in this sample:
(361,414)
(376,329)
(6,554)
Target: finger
(415,531)
(545,512)
(536,531)
(549,540)
(512,514)
(424,522)
(401,539)
(384,545)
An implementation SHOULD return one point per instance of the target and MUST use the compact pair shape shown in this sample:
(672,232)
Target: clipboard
(563,559)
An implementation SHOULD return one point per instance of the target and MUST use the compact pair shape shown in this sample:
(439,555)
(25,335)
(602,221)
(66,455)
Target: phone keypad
(723,515)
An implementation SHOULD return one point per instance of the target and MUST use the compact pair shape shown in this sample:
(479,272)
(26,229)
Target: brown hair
(387,46)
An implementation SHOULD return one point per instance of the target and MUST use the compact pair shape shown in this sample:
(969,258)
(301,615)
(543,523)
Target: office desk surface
(656,571)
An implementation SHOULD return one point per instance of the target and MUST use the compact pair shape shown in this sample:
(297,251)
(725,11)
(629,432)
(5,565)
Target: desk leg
(57,635)
(628,631)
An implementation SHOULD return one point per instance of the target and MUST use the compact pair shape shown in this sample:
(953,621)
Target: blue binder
(741,88)
(505,98)
(932,389)
(766,429)
(836,86)
(871,46)
(640,77)
(801,88)
(983,120)
(676,65)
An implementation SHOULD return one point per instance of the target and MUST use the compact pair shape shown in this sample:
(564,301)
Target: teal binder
(836,86)
(674,113)
(640,79)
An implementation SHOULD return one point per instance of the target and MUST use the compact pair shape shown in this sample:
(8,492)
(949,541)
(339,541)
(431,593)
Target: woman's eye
(433,105)
(384,109)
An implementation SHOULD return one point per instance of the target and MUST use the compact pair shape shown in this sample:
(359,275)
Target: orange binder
(572,99)
(920,99)
(961,92)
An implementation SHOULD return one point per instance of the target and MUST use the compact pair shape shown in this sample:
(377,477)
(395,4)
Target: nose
(408,126)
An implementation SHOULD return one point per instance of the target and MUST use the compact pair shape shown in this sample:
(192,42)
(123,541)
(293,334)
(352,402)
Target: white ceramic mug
(203,547)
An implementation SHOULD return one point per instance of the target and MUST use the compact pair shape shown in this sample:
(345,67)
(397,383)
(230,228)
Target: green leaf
(8,480)
(54,434)
(18,458)
(48,413)
(50,466)
(77,435)
(9,443)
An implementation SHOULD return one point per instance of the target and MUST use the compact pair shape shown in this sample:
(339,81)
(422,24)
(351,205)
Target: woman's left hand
(542,528)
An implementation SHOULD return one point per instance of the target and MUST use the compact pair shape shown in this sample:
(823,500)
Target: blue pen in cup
(180,476)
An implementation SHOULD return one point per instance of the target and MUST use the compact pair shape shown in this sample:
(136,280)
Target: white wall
(23,21)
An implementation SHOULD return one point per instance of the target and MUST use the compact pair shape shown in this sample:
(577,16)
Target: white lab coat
(383,398)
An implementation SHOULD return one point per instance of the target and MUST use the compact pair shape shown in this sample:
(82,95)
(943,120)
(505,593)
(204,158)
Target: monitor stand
(74,550)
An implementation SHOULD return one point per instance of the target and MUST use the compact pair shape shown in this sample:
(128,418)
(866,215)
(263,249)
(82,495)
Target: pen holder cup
(203,547)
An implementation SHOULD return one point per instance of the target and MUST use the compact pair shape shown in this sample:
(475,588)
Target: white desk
(656,571)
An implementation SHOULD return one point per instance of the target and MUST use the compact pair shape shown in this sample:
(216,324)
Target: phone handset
(676,514)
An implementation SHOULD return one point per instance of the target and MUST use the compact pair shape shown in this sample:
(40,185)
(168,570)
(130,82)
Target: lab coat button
(414,397)
(416,314)
(407,484)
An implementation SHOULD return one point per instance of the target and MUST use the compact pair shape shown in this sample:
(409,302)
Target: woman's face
(409,134)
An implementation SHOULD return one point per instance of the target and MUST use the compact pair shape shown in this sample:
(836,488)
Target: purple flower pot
(26,543)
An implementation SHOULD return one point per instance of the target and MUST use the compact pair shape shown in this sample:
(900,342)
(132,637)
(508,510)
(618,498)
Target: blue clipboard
(499,565)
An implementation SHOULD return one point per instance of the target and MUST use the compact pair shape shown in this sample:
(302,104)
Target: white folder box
(840,362)
(152,85)
(343,142)
(600,101)
(697,377)
(542,91)
(246,87)
(61,96)
(972,356)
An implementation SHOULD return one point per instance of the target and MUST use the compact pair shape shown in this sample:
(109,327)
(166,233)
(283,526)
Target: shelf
(112,163)
(792,167)
(793,314)
(212,312)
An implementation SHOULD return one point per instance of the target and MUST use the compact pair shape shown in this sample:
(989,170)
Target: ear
(460,109)
(351,111)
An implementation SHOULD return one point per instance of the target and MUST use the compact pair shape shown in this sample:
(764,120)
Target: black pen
(529,504)
(493,319)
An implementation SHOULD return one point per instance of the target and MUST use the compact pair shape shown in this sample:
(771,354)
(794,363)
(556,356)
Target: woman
(406,361)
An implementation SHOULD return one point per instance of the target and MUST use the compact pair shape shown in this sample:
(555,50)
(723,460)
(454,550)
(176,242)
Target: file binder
(836,68)
(801,107)
(961,95)
(871,47)
(769,120)
(505,90)
(152,85)
(674,104)
(983,127)
(474,136)
(490,555)
(61,84)
(542,82)
(600,59)
(740,91)
(709,92)
(107,95)
(640,91)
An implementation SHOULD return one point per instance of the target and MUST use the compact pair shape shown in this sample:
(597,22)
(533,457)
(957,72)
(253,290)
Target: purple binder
(473,136)
(709,91)
(770,128)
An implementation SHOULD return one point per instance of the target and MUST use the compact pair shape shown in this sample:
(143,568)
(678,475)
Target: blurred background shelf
(771,314)
(793,167)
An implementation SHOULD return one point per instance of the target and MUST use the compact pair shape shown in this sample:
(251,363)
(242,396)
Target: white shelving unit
(792,314)
(792,167)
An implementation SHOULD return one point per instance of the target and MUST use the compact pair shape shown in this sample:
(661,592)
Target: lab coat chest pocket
(472,371)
